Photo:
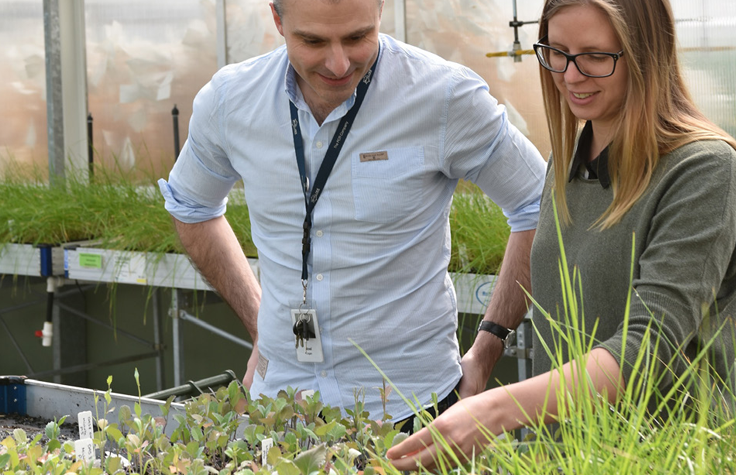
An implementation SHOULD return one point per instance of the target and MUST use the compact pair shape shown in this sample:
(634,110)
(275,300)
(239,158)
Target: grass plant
(479,232)
(113,210)
(122,211)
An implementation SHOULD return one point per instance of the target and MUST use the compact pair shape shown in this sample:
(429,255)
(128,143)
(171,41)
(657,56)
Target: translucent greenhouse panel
(465,30)
(143,58)
(250,29)
(707,34)
(22,83)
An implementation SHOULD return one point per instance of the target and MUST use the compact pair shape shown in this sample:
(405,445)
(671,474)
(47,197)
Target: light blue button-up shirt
(381,233)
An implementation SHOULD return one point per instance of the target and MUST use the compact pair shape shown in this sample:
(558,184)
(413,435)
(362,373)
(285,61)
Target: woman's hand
(470,424)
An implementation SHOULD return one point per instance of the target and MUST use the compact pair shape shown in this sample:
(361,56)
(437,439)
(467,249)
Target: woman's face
(581,29)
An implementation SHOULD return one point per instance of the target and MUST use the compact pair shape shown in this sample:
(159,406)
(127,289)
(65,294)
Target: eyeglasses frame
(571,58)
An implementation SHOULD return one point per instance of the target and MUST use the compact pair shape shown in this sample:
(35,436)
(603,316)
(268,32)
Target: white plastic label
(86,429)
(266,445)
(85,450)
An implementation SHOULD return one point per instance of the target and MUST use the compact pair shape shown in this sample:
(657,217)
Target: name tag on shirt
(373,156)
(309,350)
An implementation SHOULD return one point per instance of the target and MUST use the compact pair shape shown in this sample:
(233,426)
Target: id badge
(311,349)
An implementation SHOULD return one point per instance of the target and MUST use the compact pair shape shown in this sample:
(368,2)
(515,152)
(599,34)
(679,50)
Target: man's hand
(215,251)
(251,369)
(477,366)
(507,307)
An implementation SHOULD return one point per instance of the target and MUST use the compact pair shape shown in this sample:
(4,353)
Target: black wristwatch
(503,333)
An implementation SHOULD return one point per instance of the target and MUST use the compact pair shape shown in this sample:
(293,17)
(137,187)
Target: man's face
(331,45)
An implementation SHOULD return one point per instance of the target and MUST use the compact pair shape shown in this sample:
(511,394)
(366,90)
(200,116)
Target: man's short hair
(278,5)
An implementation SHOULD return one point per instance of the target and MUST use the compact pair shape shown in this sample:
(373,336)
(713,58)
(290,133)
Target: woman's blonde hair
(657,116)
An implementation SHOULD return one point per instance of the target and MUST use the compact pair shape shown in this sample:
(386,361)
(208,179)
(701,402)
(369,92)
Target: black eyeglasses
(594,64)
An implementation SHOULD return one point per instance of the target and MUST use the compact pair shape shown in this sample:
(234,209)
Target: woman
(646,166)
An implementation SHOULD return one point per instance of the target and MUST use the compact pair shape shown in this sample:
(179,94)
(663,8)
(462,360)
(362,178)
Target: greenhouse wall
(144,58)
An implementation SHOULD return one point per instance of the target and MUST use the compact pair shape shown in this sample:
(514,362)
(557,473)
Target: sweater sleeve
(687,254)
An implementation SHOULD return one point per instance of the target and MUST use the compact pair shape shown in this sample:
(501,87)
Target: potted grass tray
(116,230)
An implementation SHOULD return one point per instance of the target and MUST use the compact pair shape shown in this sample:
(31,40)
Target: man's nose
(337,61)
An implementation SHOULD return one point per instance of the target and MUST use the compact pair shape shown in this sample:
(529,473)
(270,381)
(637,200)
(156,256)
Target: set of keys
(302,330)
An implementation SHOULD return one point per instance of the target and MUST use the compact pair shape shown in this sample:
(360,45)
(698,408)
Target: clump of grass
(479,233)
(113,209)
(123,211)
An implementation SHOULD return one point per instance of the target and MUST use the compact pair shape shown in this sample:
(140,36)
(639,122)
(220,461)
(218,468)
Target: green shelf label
(90,261)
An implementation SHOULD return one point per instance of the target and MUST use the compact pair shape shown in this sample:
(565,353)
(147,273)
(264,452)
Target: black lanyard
(310,200)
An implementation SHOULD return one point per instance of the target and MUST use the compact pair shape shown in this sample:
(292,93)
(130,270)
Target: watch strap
(501,332)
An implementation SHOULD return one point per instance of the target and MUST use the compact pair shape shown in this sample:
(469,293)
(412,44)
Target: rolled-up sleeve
(483,147)
(202,176)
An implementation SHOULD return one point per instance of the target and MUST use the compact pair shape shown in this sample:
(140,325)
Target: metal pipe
(195,386)
(176,330)
(17,346)
(54,100)
(158,341)
(90,147)
(48,326)
(67,293)
(106,325)
(221,14)
(89,366)
(515,25)
(217,331)
(19,306)
(400,19)
(175,118)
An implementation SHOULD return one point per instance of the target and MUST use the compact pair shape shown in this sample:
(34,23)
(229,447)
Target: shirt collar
(598,168)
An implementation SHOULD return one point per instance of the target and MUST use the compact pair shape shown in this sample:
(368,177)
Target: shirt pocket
(387,185)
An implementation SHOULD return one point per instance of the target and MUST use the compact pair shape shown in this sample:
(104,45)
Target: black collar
(598,167)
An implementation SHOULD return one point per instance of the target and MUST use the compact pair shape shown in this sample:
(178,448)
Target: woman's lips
(581,98)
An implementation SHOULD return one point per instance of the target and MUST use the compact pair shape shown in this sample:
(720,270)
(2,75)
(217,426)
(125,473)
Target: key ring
(305,317)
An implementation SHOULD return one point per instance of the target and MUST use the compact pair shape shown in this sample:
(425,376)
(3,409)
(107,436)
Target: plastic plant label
(266,445)
(86,430)
(130,268)
(85,450)
(90,261)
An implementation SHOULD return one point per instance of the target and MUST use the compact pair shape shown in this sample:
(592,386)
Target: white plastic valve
(47,333)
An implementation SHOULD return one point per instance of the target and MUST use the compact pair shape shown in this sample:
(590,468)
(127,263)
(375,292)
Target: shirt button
(323,374)
(319,233)
(318,144)
(320,277)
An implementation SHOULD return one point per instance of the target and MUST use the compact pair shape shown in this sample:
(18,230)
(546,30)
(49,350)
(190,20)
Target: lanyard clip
(304,295)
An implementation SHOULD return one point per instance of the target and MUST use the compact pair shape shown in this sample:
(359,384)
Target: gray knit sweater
(684,274)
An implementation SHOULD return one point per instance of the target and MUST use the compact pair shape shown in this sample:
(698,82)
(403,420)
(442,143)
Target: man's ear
(277,20)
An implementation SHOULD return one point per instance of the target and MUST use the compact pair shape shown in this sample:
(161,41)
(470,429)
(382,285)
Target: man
(362,255)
